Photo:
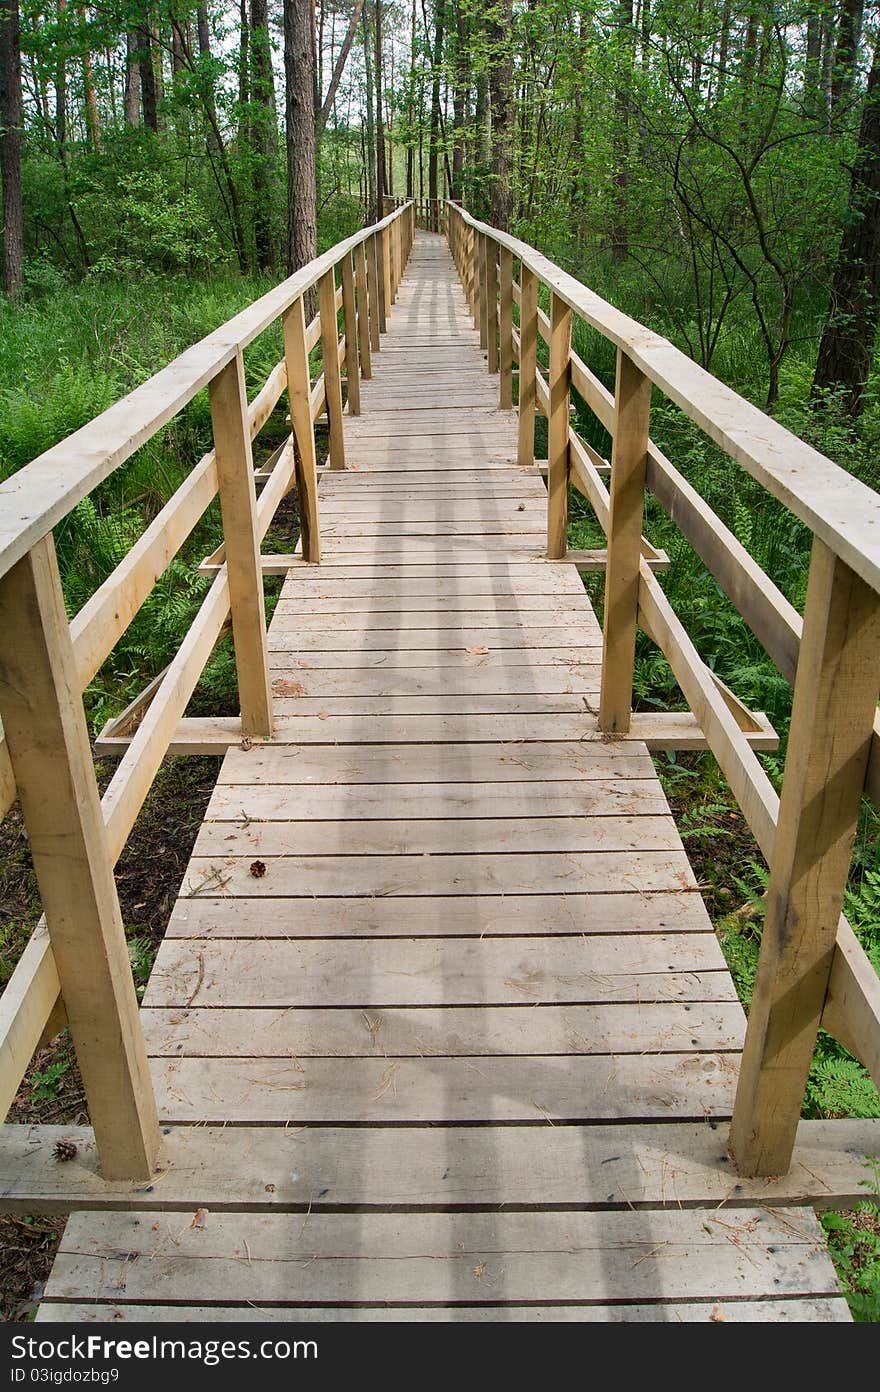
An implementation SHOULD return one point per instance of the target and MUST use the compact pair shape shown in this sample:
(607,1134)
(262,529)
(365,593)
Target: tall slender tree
(10,147)
(299,70)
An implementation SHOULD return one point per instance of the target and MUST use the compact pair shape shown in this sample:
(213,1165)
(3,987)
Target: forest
(712,167)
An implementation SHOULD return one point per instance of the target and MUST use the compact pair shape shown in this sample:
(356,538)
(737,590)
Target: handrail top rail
(36,497)
(840,509)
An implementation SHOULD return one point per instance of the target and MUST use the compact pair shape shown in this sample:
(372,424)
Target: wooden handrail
(37,497)
(67,655)
(840,509)
(812,969)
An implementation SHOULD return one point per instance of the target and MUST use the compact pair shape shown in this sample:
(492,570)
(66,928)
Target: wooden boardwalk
(439,960)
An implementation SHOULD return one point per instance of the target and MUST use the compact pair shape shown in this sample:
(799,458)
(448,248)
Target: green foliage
(854,1242)
(46,1084)
(162,233)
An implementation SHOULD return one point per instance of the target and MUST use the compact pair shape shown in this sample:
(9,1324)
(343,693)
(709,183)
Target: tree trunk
(846,352)
(61,89)
(148,78)
(846,55)
(263,133)
(620,173)
(499,24)
(381,185)
(10,148)
(339,67)
(459,99)
(411,149)
(90,99)
(299,71)
(436,58)
(368,119)
(132,104)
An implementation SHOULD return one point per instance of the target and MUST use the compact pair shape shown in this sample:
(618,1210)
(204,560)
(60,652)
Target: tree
(846,350)
(299,71)
(263,130)
(381,182)
(499,27)
(10,147)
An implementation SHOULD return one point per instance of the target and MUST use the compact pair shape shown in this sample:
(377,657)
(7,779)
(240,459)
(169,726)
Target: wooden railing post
(349,319)
(483,258)
(332,378)
(296,360)
(491,305)
(528,364)
(377,307)
(363,311)
(558,425)
(505,328)
(632,413)
(835,700)
(48,742)
(474,268)
(238,504)
(386,271)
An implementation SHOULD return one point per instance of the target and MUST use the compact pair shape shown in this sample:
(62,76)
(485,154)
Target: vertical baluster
(632,413)
(296,360)
(483,259)
(528,364)
(505,335)
(386,271)
(491,305)
(835,699)
(558,425)
(377,310)
(363,310)
(349,319)
(332,378)
(238,506)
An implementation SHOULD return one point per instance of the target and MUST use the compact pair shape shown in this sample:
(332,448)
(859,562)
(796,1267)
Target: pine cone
(64,1150)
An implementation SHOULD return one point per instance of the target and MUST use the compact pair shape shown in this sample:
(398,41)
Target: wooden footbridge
(439,1029)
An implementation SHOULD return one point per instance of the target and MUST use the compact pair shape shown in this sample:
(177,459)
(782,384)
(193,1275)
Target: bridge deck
(441,958)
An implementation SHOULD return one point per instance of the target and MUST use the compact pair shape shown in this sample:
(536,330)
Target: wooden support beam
(482,253)
(835,698)
(558,422)
(332,378)
(238,501)
(385,273)
(505,329)
(363,311)
(528,345)
(51,755)
(349,319)
(627,507)
(298,395)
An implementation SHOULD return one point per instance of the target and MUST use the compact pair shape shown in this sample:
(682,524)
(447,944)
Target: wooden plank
(235,474)
(851,1011)
(423,1090)
(376,304)
(835,701)
(386,680)
(348,660)
(807,1310)
(491,253)
(297,359)
(505,330)
(444,764)
(416,801)
(49,745)
(545,1257)
(421,971)
(528,318)
(583,872)
(447,1032)
(627,505)
(678,1165)
(488,916)
(440,836)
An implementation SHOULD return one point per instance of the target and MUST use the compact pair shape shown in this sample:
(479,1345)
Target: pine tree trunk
(368,119)
(459,99)
(299,70)
(434,146)
(264,133)
(132,104)
(11,116)
(381,185)
(499,24)
(90,99)
(148,78)
(61,89)
(846,351)
(620,172)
